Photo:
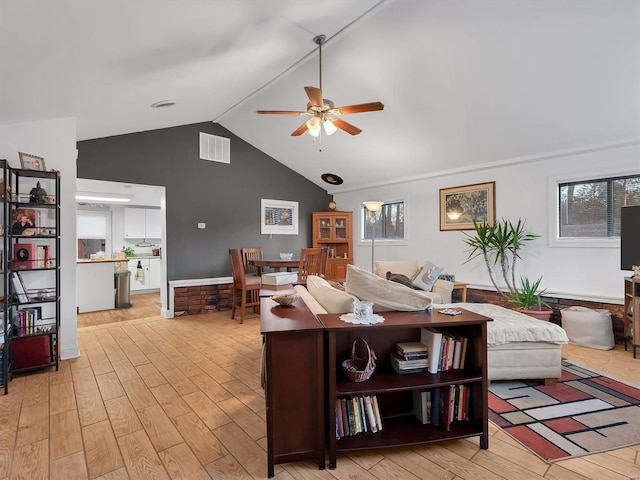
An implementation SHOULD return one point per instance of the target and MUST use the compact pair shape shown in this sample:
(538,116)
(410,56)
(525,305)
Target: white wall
(522,191)
(55,140)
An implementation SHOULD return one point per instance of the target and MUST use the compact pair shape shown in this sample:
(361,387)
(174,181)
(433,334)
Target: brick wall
(202,299)
(617,311)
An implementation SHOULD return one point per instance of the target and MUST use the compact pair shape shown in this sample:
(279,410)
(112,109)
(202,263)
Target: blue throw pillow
(427,276)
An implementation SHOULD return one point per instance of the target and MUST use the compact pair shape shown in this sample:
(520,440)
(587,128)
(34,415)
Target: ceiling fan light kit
(323,112)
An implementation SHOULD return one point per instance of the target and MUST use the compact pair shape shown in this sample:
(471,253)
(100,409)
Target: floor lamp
(373,208)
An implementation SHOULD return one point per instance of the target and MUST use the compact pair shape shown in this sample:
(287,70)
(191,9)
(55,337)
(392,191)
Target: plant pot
(544,314)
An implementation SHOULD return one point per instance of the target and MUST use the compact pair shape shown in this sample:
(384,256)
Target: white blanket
(510,326)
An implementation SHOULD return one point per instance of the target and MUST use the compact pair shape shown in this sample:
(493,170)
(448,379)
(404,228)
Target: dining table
(276,263)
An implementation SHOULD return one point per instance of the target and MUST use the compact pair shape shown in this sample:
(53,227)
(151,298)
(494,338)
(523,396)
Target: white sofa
(441,291)
(519,347)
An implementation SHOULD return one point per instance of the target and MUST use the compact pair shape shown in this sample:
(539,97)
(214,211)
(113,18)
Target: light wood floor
(144,305)
(181,398)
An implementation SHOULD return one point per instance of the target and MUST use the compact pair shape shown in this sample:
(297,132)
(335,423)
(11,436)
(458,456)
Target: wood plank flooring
(181,399)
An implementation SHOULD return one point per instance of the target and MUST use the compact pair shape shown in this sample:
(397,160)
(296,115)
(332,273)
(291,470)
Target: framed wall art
(31,162)
(278,217)
(461,206)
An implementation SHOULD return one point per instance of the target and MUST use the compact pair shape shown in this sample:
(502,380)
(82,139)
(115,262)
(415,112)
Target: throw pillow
(399,278)
(385,294)
(427,276)
(331,299)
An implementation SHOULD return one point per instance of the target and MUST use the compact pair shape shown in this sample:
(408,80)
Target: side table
(461,286)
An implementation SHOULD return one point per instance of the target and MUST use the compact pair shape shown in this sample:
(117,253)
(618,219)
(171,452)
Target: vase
(535,313)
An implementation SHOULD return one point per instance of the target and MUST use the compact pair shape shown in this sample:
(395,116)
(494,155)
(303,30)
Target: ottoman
(588,327)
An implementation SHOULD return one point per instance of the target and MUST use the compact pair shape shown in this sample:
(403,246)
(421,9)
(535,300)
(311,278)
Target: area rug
(583,413)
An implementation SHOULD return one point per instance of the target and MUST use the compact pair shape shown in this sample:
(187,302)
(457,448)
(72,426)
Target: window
(389,224)
(591,208)
(93,233)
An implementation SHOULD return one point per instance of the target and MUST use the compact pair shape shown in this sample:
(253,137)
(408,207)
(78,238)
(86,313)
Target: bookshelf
(30,270)
(632,312)
(394,392)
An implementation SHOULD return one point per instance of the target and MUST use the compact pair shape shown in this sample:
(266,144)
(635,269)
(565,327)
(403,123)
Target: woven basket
(359,369)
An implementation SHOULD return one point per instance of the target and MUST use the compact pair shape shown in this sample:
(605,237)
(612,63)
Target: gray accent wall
(224,196)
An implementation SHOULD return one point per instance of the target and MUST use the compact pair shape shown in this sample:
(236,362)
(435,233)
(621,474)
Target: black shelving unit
(30,270)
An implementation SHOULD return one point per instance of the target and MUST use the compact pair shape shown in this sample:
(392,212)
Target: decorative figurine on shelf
(636,271)
(38,194)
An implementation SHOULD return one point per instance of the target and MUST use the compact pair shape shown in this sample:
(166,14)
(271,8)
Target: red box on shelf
(31,351)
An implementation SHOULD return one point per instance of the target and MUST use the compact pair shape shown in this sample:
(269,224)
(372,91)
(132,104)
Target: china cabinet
(334,231)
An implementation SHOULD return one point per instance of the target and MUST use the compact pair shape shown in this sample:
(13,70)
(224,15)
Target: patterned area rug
(584,413)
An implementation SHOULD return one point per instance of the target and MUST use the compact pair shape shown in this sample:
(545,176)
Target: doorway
(103,203)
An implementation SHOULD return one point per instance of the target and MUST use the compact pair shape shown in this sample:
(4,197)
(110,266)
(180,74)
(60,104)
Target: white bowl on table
(286,256)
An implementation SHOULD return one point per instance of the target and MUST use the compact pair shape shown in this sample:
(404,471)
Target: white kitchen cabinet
(150,279)
(142,223)
(154,272)
(139,282)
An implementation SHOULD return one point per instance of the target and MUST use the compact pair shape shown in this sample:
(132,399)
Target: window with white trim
(389,224)
(591,208)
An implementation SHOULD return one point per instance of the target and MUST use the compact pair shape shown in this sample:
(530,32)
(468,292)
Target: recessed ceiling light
(163,104)
(332,179)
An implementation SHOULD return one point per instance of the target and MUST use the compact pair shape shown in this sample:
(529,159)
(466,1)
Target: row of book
(442,406)
(28,321)
(359,414)
(447,351)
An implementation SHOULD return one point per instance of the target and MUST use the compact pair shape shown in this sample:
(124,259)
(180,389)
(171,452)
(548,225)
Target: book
(432,339)
(435,406)
(18,287)
(352,419)
(422,405)
(411,347)
(376,411)
(447,396)
(402,367)
(345,417)
(371,417)
(339,425)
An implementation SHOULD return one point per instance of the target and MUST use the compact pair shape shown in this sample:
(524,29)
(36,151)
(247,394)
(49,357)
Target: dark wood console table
(294,383)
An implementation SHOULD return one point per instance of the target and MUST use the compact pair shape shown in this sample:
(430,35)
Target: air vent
(215,149)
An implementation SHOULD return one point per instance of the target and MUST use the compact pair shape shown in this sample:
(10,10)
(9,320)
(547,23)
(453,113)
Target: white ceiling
(465,83)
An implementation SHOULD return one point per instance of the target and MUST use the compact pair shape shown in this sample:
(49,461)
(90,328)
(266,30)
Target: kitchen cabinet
(142,223)
(149,279)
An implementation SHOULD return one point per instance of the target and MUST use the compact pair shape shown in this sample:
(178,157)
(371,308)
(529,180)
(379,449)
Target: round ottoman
(588,327)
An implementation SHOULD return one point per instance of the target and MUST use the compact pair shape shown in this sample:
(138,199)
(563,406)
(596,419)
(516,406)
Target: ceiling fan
(323,112)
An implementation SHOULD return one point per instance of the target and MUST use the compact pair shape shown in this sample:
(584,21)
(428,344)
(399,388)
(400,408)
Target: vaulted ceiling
(465,83)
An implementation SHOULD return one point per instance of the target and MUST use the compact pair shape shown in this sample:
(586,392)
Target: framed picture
(461,206)
(31,162)
(278,217)
(25,221)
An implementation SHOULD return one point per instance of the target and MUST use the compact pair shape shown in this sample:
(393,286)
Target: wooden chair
(313,261)
(247,288)
(251,253)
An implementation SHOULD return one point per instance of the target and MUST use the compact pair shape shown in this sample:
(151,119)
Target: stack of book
(359,414)
(410,357)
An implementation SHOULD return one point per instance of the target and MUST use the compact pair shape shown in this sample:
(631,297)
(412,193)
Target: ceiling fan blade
(362,107)
(281,112)
(315,96)
(300,130)
(347,127)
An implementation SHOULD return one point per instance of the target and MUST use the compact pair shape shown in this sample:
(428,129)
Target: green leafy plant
(529,295)
(129,252)
(499,245)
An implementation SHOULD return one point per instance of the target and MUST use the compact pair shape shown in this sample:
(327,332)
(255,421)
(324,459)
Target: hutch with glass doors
(30,266)
(334,231)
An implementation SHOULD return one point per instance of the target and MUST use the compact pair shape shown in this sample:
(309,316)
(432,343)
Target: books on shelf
(447,351)
(358,414)
(442,406)
(400,365)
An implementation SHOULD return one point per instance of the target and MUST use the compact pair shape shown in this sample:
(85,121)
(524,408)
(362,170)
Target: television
(629,237)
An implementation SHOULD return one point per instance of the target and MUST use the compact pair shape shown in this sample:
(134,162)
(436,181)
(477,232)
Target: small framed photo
(31,162)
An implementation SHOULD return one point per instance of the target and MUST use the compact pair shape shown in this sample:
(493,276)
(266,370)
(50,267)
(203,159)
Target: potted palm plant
(528,299)
(500,246)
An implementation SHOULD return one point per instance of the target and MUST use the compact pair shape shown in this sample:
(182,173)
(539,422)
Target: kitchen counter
(85,261)
(95,285)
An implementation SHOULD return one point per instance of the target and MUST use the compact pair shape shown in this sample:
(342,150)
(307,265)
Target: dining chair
(313,261)
(246,288)
(251,253)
